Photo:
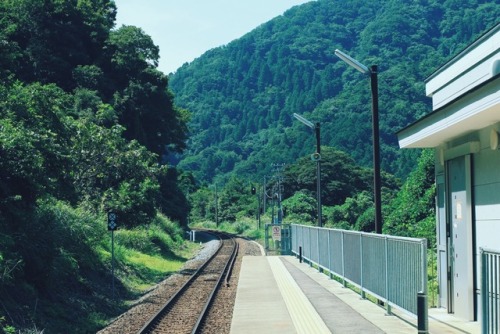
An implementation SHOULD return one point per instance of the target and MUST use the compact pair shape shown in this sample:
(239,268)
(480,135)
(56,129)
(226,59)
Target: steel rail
(225,273)
(153,321)
(231,265)
(147,328)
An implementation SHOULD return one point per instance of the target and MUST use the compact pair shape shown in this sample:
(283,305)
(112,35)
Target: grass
(149,268)
(142,258)
(69,281)
(143,264)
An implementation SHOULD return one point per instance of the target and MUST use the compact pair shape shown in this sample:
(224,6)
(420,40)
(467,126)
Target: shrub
(241,226)
(254,234)
(137,239)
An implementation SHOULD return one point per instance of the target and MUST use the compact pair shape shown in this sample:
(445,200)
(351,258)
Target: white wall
(486,188)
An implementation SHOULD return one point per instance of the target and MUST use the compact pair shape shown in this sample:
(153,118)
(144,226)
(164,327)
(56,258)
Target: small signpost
(277,239)
(112,226)
(276,232)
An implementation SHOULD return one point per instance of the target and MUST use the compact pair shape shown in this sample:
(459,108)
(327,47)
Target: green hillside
(85,118)
(242,95)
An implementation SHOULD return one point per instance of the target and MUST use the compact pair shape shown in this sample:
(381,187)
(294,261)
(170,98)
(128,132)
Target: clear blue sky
(185,29)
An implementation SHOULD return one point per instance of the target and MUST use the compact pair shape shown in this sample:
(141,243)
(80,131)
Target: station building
(464,129)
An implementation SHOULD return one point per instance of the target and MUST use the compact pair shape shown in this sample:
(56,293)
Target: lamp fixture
(353,62)
(303,120)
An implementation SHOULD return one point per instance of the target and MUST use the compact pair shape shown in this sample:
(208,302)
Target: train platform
(278,294)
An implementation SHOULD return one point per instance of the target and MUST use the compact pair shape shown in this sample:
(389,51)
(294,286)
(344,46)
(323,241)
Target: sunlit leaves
(133,49)
(412,212)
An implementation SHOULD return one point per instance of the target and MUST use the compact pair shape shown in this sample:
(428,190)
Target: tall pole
(113,262)
(258,210)
(280,208)
(265,195)
(376,151)
(216,208)
(372,71)
(318,173)
(272,211)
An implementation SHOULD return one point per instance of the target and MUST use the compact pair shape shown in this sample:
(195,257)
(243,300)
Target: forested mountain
(242,95)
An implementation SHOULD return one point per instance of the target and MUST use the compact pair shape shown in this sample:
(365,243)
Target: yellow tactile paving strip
(304,316)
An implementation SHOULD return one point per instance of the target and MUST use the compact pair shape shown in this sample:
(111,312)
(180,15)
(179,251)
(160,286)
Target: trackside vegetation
(86,121)
(66,266)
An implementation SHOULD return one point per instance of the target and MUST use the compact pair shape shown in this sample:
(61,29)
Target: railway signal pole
(112,226)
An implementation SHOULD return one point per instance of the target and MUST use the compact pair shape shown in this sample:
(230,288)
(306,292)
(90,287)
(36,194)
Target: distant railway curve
(186,310)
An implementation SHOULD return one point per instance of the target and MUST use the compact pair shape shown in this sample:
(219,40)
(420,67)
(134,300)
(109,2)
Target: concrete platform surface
(281,295)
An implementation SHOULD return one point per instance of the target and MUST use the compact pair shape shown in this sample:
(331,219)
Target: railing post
(424,265)
(330,267)
(310,247)
(344,282)
(422,313)
(363,295)
(387,283)
(494,295)
(319,253)
(484,291)
(301,236)
(425,277)
(300,254)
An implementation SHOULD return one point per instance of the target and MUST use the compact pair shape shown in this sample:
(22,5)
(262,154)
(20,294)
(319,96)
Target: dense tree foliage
(347,194)
(28,28)
(82,124)
(117,66)
(341,177)
(412,213)
(242,95)
(300,208)
(86,122)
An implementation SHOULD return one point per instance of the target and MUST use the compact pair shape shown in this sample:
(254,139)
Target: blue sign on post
(112,221)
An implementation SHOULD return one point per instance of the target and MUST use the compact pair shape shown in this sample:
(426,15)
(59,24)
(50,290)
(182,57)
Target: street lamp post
(317,158)
(277,190)
(372,71)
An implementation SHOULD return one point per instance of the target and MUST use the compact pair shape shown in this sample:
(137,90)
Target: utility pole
(265,194)
(216,208)
(278,169)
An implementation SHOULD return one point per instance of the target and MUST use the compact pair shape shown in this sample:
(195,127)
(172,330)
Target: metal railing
(392,269)
(490,291)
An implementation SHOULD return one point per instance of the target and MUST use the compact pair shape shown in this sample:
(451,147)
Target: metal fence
(393,269)
(490,291)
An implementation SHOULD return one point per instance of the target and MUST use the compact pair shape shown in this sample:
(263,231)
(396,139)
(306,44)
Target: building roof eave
(454,119)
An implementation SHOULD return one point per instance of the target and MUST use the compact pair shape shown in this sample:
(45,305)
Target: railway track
(186,310)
